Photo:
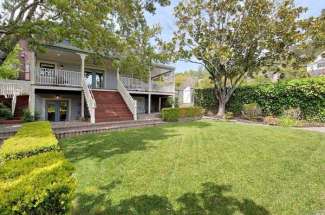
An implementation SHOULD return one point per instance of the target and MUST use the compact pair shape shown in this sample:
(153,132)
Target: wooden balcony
(53,77)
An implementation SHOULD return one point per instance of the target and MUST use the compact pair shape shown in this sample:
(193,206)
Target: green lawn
(199,168)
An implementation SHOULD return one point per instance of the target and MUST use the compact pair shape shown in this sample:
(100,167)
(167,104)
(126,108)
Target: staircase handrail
(130,102)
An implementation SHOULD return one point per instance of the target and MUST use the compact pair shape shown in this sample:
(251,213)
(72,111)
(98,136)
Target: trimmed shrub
(35,178)
(27,116)
(251,111)
(170,114)
(306,94)
(288,122)
(40,184)
(174,114)
(31,139)
(5,112)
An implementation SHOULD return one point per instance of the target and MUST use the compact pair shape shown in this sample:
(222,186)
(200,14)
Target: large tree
(234,39)
(107,27)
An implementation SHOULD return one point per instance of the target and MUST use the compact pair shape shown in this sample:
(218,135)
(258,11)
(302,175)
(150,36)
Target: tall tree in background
(235,38)
(107,27)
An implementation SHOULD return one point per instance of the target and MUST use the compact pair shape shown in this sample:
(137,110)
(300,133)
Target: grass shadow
(212,199)
(106,145)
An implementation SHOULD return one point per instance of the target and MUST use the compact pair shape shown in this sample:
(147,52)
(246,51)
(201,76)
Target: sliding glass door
(94,79)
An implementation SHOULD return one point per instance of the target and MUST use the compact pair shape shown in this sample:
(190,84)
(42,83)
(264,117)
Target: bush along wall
(307,94)
(175,114)
(35,178)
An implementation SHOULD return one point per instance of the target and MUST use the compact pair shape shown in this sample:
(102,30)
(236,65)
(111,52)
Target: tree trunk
(221,108)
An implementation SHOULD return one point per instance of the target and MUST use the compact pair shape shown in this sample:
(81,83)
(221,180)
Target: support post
(173,105)
(82,110)
(159,103)
(82,71)
(149,103)
(31,101)
(149,95)
(13,104)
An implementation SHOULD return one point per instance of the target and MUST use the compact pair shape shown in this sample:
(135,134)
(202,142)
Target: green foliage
(41,184)
(115,28)
(27,116)
(170,114)
(194,78)
(34,177)
(5,112)
(286,121)
(11,66)
(229,115)
(32,138)
(306,94)
(234,39)
(172,102)
(174,114)
(251,111)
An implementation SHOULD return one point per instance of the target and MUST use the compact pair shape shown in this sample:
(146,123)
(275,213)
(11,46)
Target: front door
(57,110)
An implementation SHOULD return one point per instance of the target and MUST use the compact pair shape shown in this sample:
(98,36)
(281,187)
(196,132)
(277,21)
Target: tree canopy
(107,27)
(233,39)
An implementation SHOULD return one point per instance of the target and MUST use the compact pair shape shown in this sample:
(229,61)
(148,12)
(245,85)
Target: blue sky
(164,17)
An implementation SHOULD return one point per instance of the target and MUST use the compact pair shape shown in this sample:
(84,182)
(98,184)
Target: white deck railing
(162,87)
(134,84)
(14,88)
(90,100)
(44,76)
(10,88)
(131,103)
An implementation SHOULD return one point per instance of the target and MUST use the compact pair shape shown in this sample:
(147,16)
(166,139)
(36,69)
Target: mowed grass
(199,168)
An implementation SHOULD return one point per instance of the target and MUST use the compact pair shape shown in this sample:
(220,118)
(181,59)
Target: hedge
(307,94)
(35,180)
(32,138)
(174,114)
(41,184)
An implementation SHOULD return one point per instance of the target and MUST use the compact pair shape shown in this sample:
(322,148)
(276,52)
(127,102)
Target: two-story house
(65,84)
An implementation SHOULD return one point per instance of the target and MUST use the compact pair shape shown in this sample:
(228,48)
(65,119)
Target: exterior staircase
(110,106)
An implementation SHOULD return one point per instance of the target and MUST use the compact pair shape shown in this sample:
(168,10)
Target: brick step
(110,106)
(122,109)
(94,130)
(107,112)
(112,119)
(81,125)
(113,115)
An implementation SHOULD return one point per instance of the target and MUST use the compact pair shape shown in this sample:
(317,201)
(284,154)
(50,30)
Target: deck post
(149,103)
(82,70)
(31,101)
(159,103)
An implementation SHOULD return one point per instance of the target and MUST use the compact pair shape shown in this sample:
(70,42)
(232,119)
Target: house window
(95,79)
(47,69)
